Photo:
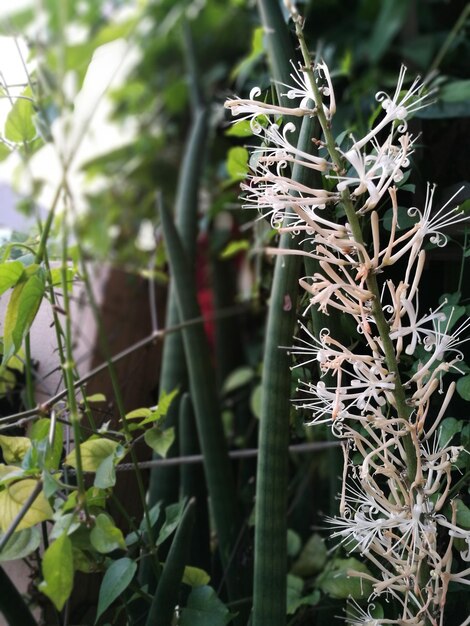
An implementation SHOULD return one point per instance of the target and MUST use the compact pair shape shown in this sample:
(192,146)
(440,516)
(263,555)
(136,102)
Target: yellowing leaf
(13,498)
(14,448)
(93,452)
(9,473)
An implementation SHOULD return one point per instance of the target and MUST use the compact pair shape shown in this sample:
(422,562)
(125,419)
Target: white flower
(427,224)
(399,107)
(303,89)
(441,342)
(284,151)
(359,616)
(250,108)
(375,172)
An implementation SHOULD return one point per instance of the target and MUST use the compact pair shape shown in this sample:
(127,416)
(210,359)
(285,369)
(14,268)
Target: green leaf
(294,543)
(312,559)
(452,314)
(19,125)
(160,440)
(105,476)
(205,609)
(237,163)
(10,273)
(117,578)
(255,401)
(4,152)
(450,298)
(375,610)
(14,448)
(195,577)
(96,397)
(39,431)
(337,582)
(295,599)
(173,514)
(57,570)
(238,378)
(164,402)
(156,413)
(405,221)
(94,498)
(256,52)
(12,499)
(93,452)
(456,91)
(242,128)
(234,247)
(105,536)
(56,278)
(391,17)
(463,387)
(138,413)
(22,308)
(447,429)
(50,484)
(463,514)
(65,524)
(20,544)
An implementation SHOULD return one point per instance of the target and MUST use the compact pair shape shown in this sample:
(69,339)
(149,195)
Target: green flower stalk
(392,503)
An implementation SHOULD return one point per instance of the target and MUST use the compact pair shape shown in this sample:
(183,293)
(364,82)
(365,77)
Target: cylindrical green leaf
(193,484)
(217,468)
(166,596)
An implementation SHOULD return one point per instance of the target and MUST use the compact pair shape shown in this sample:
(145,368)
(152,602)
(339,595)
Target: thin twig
(298,448)
(42,409)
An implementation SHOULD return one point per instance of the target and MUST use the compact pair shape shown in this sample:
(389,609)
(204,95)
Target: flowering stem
(383,327)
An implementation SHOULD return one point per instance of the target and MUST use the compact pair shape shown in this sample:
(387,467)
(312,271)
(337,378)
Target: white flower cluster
(392,503)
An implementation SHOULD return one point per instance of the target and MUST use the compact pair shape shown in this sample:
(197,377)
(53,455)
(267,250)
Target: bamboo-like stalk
(217,468)
(193,484)
(164,481)
(270,570)
(269,597)
(165,599)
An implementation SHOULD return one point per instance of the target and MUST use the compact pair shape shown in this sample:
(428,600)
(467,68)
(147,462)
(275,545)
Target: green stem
(460,23)
(403,410)
(29,373)
(164,481)
(217,467)
(120,406)
(68,367)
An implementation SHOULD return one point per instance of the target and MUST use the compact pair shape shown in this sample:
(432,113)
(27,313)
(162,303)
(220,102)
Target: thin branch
(299,448)
(43,409)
